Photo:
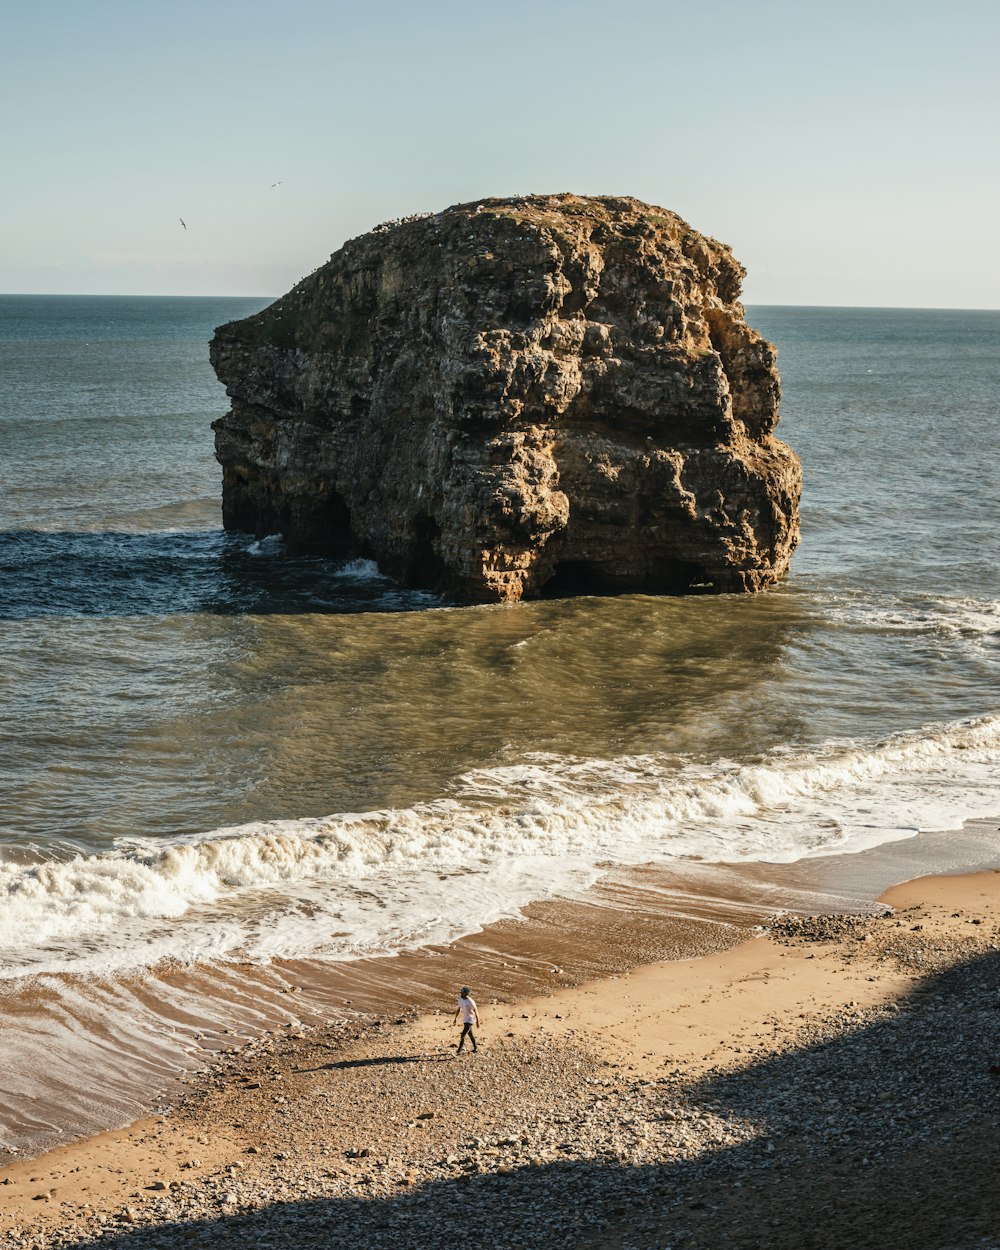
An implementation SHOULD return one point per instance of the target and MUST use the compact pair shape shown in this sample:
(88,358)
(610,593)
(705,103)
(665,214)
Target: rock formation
(516,397)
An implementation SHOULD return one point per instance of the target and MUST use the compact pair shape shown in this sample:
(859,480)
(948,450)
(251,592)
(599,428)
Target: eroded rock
(516,397)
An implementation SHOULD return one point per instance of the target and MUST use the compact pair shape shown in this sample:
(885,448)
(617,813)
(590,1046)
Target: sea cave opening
(655,577)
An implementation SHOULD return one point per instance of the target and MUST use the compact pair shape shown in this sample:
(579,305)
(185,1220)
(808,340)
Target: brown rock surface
(547,394)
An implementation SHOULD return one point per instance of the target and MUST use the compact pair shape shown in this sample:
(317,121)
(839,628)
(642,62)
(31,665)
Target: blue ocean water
(892,411)
(213,754)
(162,681)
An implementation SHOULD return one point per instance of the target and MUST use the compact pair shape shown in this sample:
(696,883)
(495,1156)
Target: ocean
(216,758)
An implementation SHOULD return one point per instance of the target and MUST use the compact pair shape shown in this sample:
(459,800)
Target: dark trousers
(467,1033)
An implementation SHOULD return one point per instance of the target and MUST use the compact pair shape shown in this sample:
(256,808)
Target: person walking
(470,1016)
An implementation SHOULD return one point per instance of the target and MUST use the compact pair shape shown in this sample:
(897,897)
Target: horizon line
(274,298)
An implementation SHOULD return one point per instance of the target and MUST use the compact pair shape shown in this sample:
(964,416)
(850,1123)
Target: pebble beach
(825,1083)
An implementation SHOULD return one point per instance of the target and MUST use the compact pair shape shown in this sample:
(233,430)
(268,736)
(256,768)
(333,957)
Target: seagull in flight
(278,183)
(183,222)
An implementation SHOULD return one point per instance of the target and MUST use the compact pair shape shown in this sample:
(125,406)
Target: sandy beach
(826,1083)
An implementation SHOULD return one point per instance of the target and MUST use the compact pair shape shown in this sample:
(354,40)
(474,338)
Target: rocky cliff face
(516,397)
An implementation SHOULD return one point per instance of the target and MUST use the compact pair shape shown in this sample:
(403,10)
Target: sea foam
(352,884)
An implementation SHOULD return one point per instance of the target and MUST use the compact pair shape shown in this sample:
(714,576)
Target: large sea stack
(550,394)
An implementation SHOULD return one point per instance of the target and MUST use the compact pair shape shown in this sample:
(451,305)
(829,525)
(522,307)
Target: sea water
(215,755)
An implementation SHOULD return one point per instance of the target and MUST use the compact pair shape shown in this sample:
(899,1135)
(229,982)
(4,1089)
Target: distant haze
(847,153)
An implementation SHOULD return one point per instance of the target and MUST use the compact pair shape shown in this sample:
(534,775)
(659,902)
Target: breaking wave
(352,884)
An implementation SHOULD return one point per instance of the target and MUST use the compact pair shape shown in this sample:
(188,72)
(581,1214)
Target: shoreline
(134,1045)
(365,1130)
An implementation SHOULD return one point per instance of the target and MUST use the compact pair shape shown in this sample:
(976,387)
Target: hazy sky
(847,152)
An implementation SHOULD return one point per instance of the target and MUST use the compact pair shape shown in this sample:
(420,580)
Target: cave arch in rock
(591,577)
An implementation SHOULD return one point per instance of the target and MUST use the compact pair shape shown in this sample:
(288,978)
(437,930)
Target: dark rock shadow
(884,1136)
(59,573)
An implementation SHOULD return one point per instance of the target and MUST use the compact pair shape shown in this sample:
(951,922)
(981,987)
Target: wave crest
(515,833)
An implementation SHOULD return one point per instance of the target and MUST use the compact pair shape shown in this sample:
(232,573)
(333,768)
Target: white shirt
(467,1007)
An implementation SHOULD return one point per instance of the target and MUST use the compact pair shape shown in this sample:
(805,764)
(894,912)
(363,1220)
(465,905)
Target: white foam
(951,618)
(358,883)
(361,571)
(269,545)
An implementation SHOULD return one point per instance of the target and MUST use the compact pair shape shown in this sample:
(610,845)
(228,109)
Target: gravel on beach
(871,1126)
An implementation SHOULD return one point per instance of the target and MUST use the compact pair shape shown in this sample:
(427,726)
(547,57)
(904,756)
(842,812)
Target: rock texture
(516,397)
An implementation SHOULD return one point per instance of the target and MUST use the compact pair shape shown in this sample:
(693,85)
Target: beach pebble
(585,1153)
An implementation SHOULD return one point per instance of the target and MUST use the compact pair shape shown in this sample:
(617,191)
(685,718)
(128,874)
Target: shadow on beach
(379,1061)
(884,1136)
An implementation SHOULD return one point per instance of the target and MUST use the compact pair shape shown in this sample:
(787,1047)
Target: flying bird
(278,183)
(183,222)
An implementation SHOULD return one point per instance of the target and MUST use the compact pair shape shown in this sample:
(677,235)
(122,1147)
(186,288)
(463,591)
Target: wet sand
(82,1055)
(825,1084)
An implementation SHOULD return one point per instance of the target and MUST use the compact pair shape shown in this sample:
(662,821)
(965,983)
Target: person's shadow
(376,1062)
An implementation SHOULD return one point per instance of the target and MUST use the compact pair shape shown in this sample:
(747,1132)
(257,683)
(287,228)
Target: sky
(846,152)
